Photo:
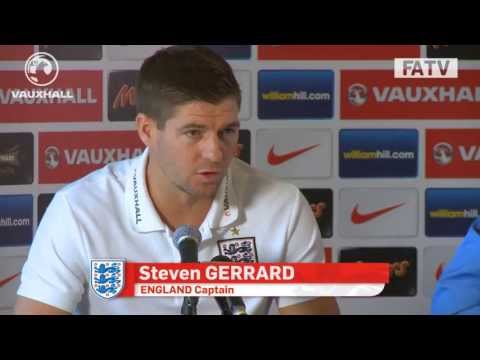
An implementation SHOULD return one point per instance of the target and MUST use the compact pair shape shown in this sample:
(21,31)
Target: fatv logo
(276,159)
(358,218)
(88,156)
(426,68)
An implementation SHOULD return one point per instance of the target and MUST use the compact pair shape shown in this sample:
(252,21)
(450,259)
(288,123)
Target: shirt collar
(144,217)
(140,208)
(224,209)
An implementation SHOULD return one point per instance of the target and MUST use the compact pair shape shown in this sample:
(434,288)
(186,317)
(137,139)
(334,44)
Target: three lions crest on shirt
(106,277)
(239,249)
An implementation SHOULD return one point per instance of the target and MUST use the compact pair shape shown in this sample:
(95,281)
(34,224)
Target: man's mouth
(210,175)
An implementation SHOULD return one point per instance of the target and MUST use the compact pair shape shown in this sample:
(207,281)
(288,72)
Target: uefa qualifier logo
(41,69)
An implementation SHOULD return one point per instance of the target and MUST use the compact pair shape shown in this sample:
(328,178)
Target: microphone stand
(189,306)
(224,305)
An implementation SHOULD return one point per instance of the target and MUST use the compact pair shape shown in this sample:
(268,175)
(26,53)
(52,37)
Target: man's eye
(193,133)
(229,132)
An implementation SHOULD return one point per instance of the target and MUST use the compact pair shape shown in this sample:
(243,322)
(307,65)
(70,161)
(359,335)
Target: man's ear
(145,128)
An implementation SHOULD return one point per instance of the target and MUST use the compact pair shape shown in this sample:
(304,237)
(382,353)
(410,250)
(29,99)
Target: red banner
(253,273)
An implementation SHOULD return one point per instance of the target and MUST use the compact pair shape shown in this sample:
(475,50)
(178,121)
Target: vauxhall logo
(443,153)
(357,94)
(47,96)
(136,200)
(87,156)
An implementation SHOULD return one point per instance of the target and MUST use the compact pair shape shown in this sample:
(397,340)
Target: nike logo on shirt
(358,218)
(276,159)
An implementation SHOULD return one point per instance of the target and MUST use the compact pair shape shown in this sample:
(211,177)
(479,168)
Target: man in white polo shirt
(188,102)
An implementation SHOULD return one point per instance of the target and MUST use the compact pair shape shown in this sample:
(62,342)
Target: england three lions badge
(107,277)
(239,249)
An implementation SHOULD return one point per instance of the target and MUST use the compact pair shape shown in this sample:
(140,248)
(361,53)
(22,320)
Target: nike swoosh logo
(275,159)
(358,218)
(439,271)
(8,279)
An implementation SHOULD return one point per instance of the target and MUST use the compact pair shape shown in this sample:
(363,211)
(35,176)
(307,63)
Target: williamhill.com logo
(449,212)
(295,94)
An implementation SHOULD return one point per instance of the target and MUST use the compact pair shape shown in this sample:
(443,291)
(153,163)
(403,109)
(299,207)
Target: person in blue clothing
(458,289)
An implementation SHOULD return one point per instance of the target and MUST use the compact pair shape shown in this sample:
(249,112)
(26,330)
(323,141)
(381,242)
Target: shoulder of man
(98,183)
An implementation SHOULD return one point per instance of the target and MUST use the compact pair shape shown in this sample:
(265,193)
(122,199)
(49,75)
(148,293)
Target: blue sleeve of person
(458,289)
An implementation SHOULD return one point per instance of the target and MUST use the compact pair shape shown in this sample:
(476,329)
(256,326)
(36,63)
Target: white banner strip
(255,290)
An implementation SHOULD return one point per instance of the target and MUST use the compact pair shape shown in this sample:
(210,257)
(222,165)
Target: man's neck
(175,206)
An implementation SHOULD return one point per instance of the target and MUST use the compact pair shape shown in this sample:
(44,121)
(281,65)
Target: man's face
(194,149)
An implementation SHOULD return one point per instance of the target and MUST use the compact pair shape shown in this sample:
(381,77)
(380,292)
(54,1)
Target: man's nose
(213,149)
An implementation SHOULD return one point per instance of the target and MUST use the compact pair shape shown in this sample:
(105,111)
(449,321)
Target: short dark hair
(179,74)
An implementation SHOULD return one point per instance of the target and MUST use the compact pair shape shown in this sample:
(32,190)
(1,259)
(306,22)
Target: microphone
(232,305)
(222,300)
(186,238)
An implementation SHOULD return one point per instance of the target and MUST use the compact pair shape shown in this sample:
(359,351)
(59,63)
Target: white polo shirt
(109,214)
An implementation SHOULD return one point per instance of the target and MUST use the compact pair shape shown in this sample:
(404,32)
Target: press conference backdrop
(389,166)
